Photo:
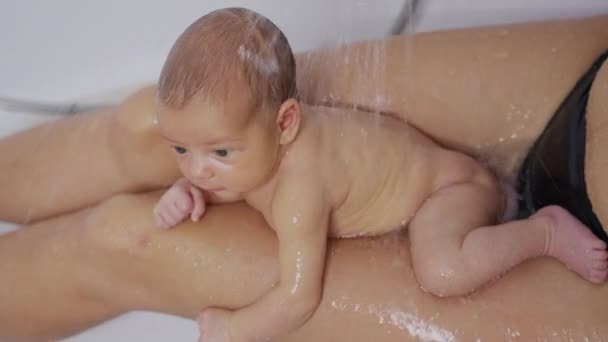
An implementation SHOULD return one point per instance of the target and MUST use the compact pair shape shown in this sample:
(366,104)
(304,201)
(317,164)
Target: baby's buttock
(455,167)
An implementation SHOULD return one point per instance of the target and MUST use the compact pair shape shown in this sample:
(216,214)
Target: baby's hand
(181,200)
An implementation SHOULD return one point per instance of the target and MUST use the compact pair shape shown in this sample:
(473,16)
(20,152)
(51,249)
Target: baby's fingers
(177,212)
(162,221)
(199,203)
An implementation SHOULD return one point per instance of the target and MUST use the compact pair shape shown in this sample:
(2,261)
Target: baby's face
(221,148)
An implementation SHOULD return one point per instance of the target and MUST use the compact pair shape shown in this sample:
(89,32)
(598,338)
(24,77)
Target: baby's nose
(201,169)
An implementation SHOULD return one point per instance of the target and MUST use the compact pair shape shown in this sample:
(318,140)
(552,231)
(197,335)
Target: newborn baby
(228,107)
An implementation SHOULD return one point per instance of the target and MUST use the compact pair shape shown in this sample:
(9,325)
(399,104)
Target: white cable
(406,18)
(25,106)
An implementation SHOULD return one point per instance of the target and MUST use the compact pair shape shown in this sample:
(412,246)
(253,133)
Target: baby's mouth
(215,189)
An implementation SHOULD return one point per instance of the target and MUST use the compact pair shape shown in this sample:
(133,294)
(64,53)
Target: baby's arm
(181,200)
(300,218)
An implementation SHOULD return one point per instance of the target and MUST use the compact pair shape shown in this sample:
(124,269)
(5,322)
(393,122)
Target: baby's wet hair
(223,53)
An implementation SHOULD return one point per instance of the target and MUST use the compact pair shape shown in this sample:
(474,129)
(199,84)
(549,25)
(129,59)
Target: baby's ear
(288,121)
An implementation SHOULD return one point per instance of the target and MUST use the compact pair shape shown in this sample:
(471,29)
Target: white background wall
(64,50)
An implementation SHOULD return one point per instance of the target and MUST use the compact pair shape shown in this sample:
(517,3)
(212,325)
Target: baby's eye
(222,152)
(179,150)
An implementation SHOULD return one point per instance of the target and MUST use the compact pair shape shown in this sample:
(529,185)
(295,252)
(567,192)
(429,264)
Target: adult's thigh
(596,158)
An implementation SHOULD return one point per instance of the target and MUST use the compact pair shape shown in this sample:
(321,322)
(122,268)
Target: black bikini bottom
(554,169)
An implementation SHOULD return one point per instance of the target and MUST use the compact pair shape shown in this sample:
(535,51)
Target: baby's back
(377,170)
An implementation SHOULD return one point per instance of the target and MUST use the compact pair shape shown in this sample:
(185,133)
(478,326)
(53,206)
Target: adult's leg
(95,264)
(508,79)
(74,162)
(596,157)
(62,275)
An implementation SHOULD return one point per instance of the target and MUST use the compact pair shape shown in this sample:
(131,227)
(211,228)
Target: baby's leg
(456,248)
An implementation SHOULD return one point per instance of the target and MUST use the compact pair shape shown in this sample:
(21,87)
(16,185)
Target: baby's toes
(599,255)
(598,276)
(598,244)
(599,268)
(600,264)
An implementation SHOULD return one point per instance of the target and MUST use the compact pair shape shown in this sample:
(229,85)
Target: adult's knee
(137,113)
(119,222)
(136,140)
(134,126)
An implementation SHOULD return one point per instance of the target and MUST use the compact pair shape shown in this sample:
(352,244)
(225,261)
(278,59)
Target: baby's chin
(225,193)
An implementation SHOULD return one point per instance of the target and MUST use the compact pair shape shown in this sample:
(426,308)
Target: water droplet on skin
(514,135)
(447,274)
(501,139)
(294,220)
(155,122)
(299,263)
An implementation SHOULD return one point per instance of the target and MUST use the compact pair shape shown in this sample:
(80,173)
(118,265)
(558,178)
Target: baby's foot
(571,242)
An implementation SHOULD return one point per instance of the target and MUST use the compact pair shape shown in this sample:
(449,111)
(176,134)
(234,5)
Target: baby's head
(227,100)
